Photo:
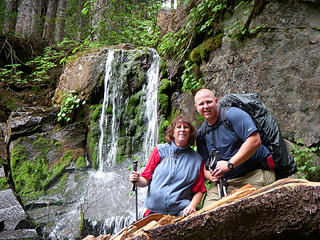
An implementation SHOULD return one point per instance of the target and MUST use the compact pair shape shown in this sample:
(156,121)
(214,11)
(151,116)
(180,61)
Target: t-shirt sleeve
(198,185)
(242,123)
(151,165)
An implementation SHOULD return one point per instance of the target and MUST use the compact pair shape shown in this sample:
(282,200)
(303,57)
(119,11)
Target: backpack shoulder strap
(203,131)
(225,122)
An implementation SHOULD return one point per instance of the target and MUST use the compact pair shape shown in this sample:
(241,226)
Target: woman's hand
(134,176)
(188,210)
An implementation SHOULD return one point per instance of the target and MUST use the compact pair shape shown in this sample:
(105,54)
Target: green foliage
(11,74)
(164,123)
(303,157)
(190,78)
(3,183)
(69,104)
(81,163)
(204,14)
(171,43)
(43,64)
(123,21)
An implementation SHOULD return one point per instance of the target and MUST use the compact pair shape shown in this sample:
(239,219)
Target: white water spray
(151,106)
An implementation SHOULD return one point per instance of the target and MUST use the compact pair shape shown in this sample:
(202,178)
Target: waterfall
(107,176)
(151,106)
(116,102)
(102,195)
(170,4)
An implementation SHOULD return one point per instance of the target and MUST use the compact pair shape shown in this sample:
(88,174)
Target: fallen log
(286,209)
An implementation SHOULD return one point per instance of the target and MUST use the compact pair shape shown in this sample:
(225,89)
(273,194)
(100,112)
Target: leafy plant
(189,78)
(303,157)
(11,74)
(43,64)
(67,107)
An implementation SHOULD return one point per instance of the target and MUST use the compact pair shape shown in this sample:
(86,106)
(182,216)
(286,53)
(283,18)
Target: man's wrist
(230,165)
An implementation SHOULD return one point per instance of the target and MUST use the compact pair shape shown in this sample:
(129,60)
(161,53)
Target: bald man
(243,158)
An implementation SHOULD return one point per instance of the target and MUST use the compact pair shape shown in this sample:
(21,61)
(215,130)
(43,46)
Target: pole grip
(135,168)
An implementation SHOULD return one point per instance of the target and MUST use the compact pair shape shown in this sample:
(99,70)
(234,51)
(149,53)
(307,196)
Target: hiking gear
(268,128)
(211,164)
(228,142)
(230,165)
(134,188)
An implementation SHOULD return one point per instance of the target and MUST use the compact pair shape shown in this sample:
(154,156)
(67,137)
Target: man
(243,158)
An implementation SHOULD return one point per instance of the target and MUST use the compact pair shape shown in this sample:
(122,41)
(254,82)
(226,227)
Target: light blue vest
(170,190)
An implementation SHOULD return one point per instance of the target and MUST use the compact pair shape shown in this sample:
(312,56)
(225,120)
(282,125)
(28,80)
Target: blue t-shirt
(228,142)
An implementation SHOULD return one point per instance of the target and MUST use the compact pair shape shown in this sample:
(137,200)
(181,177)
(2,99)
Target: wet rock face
(14,223)
(280,62)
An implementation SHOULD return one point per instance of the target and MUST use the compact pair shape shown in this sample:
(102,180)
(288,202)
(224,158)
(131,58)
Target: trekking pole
(134,188)
(211,164)
(224,184)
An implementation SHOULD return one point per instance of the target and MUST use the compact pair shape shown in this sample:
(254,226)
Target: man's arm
(247,149)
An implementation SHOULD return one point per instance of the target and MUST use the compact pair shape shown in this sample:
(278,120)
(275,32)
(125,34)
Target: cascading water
(151,105)
(108,177)
(105,202)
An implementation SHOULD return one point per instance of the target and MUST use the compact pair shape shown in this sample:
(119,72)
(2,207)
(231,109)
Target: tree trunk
(24,18)
(60,27)
(10,16)
(37,18)
(49,24)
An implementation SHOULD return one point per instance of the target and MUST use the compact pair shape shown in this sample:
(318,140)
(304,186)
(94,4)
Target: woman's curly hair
(175,122)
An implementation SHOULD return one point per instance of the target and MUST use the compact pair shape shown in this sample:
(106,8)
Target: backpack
(267,126)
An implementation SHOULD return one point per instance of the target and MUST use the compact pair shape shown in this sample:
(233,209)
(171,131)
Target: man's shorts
(258,179)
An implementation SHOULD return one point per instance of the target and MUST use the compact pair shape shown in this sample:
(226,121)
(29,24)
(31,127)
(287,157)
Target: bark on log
(287,209)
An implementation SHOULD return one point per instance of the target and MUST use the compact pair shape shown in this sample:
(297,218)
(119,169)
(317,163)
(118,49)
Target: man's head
(207,105)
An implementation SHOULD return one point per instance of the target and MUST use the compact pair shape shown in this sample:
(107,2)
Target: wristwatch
(230,165)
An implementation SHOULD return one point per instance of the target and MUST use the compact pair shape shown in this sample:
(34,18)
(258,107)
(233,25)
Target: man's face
(206,105)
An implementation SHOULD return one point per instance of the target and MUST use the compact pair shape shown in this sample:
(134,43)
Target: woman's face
(181,134)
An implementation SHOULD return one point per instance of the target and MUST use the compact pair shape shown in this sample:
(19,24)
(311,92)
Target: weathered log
(287,209)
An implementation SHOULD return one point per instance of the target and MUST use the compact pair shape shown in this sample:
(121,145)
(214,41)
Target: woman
(174,173)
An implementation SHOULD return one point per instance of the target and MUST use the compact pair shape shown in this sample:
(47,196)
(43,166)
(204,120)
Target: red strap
(270,162)
(147,213)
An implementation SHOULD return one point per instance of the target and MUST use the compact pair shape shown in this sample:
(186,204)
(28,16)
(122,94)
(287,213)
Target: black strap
(167,157)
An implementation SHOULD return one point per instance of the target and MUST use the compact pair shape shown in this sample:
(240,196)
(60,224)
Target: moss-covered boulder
(38,161)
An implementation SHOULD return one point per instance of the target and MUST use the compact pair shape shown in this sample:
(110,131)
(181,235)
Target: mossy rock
(165,85)
(81,163)
(4,183)
(201,53)
(32,174)
(93,135)
(164,102)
